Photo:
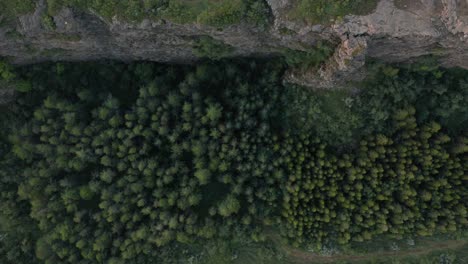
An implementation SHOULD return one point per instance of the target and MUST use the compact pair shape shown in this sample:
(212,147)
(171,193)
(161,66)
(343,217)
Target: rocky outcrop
(345,65)
(81,36)
(396,31)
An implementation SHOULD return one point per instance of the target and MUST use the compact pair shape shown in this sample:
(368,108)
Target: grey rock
(397,31)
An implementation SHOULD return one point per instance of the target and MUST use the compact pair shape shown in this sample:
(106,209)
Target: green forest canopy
(111,163)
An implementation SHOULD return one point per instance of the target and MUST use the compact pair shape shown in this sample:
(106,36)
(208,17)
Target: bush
(6,71)
(48,22)
(14,8)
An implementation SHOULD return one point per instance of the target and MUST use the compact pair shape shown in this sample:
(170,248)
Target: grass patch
(13,8)
(17,7)
(226,13)
(326,11)
(218,13)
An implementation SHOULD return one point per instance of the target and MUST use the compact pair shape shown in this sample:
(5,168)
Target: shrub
(14,8)
(6,71)
(229,206)
(48,22)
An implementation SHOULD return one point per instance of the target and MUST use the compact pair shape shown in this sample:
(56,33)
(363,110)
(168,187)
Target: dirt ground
(302,257)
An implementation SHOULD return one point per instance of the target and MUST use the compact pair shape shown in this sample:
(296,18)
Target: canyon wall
(395,31)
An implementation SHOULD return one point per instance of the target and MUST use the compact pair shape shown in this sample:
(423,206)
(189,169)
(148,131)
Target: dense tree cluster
(409,182)
(17,229)
(436,94)
(341,117)
(107,182)
(106,174)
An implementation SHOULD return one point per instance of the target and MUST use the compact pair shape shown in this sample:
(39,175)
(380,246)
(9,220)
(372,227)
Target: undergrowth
(149,163)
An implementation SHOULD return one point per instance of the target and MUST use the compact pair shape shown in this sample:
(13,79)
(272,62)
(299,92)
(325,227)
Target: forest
(110,162)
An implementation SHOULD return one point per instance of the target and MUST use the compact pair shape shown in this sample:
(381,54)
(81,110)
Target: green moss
(438,51)
(226,13)
(324,11)
(208,47)
(131,10)
(217,13)
(13,8)
(180,12)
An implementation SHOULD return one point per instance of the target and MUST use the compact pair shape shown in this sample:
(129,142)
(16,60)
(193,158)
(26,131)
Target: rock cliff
(396,31)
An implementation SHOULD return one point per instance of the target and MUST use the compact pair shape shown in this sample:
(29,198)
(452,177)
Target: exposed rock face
(397,31)
(346,64)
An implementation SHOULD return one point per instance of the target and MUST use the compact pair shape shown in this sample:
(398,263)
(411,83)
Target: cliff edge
(392,31)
